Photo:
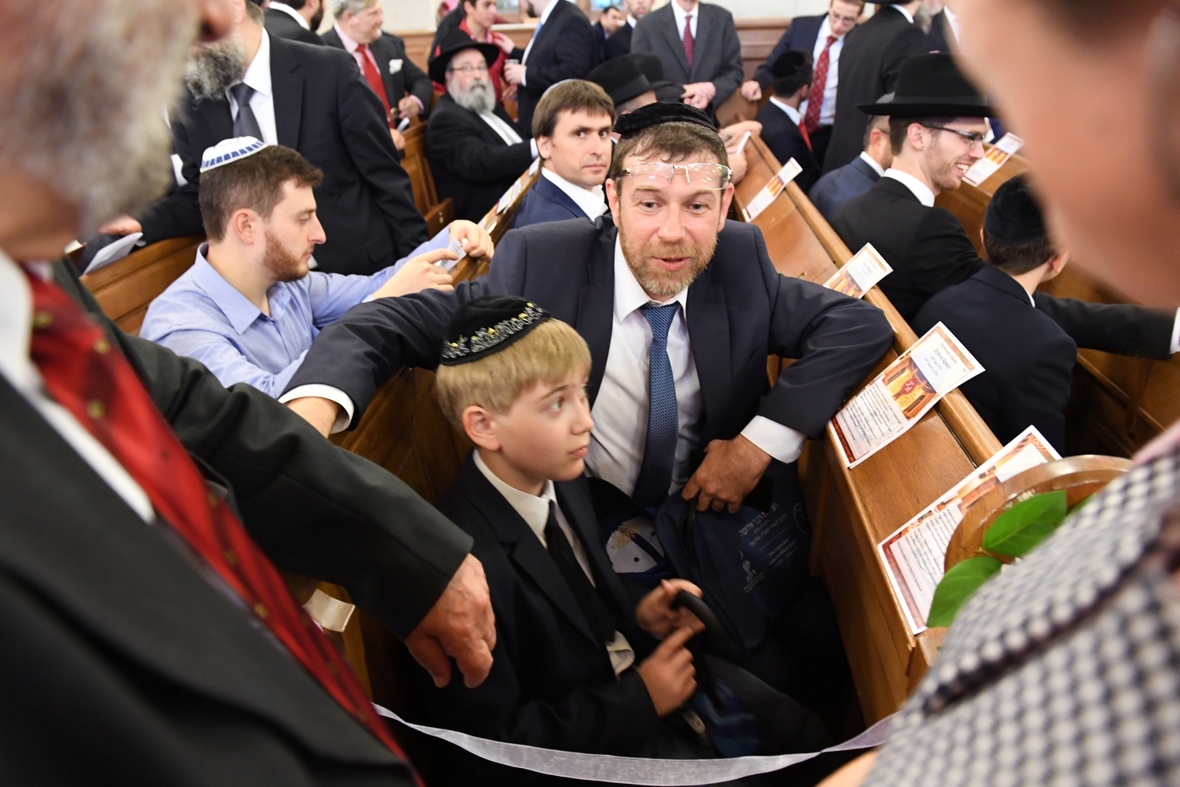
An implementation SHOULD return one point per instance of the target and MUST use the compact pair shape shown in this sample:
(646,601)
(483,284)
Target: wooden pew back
(437,214)
(125,288)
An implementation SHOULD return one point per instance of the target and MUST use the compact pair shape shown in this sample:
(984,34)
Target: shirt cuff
(781,442)
(343,418)
(1176,334)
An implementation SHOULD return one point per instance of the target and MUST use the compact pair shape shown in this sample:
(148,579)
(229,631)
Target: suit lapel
(676,42)
(218,118)
(596,303)
(555,195)
(574,499)
(708,335)
(703,40)
(383,53)
(286,79)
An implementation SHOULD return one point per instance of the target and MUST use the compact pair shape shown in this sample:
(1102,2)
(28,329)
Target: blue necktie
(663,424)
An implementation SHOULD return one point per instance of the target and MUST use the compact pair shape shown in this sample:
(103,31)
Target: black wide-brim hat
(452,44)
(653,69)
(621,78)
(931,86)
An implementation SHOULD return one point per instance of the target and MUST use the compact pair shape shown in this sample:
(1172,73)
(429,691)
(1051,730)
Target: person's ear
(1058,261)
(247,226)
(480,426)
(916,135)
(612,198)
(726,199)
(544,147)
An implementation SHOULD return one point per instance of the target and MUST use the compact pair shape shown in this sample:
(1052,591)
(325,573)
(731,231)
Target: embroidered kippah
(228,150)
(656,114)
(1013,215)
(487,325)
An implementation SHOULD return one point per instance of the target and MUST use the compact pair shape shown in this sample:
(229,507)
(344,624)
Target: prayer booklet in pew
(887,407)
(914,554)
(995,158)
(861,273)
(772,190)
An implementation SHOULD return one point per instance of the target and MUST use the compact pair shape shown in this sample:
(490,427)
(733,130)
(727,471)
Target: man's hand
(731,135)
(739,165)
(460,625)
(655,615)
(399,141)
(320,413)
(504,42)
(409,107)
(751,91)
(417,274)
(509,93)
(668,673)
(514,73)
(477,244)
(124,225)
(699,94)
(730,471)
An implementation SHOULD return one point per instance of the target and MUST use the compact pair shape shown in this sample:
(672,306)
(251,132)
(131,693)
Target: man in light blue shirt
(250,306)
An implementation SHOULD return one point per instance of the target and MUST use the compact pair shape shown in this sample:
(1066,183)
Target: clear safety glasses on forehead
(658,175)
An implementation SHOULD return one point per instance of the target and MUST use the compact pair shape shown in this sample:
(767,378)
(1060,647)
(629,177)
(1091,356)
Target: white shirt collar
(532,509)
(632,20)
(872,162)
(291,12)
(629,294)
(919,189)
(257,75)
(592,202)
(679,13)
(953,19)
(791,111)
(16,320)
(506,132)
(548,10)
(905,13)
(349,42)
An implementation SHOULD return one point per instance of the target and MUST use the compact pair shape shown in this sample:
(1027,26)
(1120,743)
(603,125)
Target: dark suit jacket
(546,202)
(739,311)
(408,79)
(800,34)
(841,185)
(786,142)
(929,251)
(869,64)
(1027,358)
(552,684)
(565,48)
(365,202)
(717,52)
(940,34)
(471,163)
(123,664)
(281,25)
(620,41)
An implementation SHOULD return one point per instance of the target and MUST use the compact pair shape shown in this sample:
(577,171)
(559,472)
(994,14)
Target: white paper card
(861,273)
(113,252)
(995,158)
(772,189)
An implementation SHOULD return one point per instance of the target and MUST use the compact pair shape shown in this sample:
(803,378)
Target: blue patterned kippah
(228,150)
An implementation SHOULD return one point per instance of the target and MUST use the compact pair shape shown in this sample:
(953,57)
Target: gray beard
(211,69)
(478,97)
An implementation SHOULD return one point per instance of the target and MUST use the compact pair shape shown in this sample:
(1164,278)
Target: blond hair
(549,353)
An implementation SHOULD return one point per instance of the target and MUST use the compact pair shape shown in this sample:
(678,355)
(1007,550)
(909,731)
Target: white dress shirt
(262,102)
(872,162)
(827,110)
(291,12)
(542,19)
(953,19)
(905,13)
(502,129)
(592,202)
(534,511)
(354,49)
(916,187)
(796,115)
(680,15)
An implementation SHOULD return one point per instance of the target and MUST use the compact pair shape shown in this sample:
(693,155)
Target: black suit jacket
(739,311)
(546,202)
(840,185)
(552,684)
(619,42)
(717,52)
(565,48)
(1027,358)
(123,664)
(408,78)
(940,34)
(786,142)
(471,163)
(325,110)
(869,65)
(929,251)
(800,34)
(281,25)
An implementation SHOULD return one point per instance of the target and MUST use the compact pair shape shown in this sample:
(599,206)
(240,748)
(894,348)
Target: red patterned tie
(95,383)
(688,42)
(816,101)
(372,77)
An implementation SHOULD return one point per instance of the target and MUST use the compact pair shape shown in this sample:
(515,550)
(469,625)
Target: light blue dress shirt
(202,316)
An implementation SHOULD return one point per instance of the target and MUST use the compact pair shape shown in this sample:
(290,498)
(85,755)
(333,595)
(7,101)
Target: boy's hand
(668,673)
(477,244)
(419,273)
(655,615)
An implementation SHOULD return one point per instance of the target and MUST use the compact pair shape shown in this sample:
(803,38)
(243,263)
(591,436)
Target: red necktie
(816,100)
(96,384)
(372,77)
(688,42)
(806,136)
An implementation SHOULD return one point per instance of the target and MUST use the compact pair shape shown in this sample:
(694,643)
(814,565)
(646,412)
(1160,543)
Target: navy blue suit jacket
(1027,357)
(840,185)
(546,202)
(740,310)
(800,34)
(565,48)
(786,142)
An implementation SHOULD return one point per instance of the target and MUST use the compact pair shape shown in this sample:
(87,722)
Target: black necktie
(593,607)
(245,124)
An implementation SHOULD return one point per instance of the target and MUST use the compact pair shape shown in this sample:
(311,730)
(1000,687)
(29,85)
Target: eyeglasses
(465,70)
(973,137)
(702,175)
(850,21)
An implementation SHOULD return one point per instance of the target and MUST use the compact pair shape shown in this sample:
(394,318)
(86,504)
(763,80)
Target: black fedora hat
(931,86)
(452,44)
(621,78)
(653,69)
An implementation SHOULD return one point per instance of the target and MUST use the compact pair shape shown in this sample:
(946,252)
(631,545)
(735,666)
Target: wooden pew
(125,288)
(437,214)
(1119,403)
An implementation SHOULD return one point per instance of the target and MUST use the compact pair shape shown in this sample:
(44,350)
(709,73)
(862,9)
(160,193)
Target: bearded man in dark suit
(297,20)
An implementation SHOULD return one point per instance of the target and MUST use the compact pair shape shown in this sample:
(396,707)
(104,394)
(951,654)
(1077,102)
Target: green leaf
(1019,530)
(957,586)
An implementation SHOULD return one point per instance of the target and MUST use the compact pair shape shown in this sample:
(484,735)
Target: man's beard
(317,19)
(212,68)
(657,282)
(82,108)
(280,262)
(478,97)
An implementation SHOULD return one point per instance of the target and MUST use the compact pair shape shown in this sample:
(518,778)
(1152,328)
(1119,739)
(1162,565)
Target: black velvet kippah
(487,325)
(790,63)
(1013,215)
(655,114)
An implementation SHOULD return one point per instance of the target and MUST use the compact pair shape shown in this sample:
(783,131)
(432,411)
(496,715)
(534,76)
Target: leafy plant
(958,585)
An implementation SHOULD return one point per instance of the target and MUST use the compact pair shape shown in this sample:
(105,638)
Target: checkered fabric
(1065,670)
